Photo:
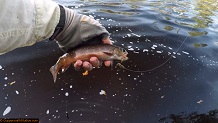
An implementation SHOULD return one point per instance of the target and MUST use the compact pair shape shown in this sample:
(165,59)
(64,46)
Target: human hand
(93,62)
(79,29)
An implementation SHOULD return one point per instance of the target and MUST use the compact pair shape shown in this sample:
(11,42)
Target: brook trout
(101,51)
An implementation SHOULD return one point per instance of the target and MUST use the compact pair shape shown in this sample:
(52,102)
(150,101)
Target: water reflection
(196,45)
(113,12)
(205,9)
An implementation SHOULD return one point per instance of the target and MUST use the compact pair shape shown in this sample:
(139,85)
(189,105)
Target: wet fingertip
(107,63)
(94,59)
(95,62)
(87,66)
(77,65)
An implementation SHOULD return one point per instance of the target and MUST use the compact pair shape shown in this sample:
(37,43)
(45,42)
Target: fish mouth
(124,59)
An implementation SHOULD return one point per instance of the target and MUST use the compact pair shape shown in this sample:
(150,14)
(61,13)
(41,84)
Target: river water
(174,41)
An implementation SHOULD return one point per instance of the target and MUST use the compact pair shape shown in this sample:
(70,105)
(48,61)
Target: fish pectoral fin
(64,69)
(107,53)
(54,73)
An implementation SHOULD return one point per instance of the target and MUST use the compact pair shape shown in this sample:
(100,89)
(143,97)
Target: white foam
(102,92)
(145,50)
(159,51)
(7,110)
(129,35)
(130,30)
(154,46)
(185,52)
(66,94)
(130,49)
(47,112)
(170,48)
(17,92)
(136,35)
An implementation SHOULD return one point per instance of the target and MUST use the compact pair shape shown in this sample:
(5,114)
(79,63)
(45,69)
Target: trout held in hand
(104,52)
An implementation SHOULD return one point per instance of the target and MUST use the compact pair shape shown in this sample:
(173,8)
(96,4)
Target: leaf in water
(169,28)
(115,12)
(196,45)
(204,45)
(167,18)
(102,92)
(7,110)
(193,33)
(12,83)
(85,73)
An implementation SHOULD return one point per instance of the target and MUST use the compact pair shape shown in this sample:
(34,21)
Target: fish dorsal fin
(107,53)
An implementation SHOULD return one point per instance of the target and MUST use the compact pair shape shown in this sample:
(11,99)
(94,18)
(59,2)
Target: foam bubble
(7,110)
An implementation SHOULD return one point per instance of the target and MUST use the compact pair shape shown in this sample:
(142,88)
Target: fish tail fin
(54,72)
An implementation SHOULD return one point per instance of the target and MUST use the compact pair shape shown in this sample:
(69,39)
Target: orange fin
(54,72)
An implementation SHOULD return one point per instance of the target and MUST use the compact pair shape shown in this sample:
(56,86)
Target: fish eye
(124,51)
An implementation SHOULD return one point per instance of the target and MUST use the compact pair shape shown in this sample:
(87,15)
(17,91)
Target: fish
(104,52)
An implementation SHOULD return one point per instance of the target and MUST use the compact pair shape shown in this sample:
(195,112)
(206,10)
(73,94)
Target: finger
(106,40)
(107,63)
(87,66)
(78,64)
(95,62)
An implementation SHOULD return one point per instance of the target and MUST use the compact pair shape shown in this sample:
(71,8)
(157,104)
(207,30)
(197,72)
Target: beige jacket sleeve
(25,22)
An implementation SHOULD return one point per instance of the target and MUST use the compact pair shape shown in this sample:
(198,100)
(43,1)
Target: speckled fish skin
(102,52)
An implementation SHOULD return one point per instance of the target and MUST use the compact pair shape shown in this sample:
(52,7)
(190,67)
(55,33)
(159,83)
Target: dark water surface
(176,40)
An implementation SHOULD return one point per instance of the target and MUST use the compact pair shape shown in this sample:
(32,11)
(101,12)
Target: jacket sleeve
(25,22)
(78,30)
